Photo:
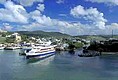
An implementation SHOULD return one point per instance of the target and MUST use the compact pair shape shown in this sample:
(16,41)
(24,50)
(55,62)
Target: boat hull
(40,55)
(1,48)
(11,48)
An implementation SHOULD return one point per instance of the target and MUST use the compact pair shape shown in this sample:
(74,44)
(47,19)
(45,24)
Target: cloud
(23,2)
(28,2)
(89,14)
(56,26)
(35,13)
(63,15)
(41,7)
(47,22)
(60,1)
(2,1)
(36,20)
(113,26)
(108,2)
(6,27)
(13,13)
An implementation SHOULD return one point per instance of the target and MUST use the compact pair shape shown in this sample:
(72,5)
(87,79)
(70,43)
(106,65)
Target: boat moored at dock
(2,46)
(12,47)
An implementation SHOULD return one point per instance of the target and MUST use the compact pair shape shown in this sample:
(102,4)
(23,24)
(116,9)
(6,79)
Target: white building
(15,36)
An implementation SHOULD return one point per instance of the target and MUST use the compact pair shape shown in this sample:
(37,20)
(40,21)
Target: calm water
(62,66)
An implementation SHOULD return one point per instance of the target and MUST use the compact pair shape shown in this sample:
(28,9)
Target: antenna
(112,33)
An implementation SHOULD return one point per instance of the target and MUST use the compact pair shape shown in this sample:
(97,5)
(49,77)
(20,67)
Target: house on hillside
(15,37)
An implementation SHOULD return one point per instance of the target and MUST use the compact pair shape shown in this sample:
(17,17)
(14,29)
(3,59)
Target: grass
(2,40)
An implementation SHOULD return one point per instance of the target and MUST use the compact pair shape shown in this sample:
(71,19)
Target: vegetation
(74,45)
(2,40)
(10,40)
(97,37)
(24,38)
(77,45)
(43,34)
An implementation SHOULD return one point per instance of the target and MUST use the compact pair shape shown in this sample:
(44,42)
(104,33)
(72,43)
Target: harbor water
(61,66)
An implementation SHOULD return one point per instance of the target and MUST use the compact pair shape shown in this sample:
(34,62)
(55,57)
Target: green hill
(2,39)
(43,34)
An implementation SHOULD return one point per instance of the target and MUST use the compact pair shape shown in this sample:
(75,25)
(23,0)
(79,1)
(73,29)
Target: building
(17,37)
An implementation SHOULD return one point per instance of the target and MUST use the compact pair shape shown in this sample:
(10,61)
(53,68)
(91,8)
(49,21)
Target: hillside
(97,37)
(43,34)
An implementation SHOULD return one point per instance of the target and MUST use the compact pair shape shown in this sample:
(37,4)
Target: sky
(74,17)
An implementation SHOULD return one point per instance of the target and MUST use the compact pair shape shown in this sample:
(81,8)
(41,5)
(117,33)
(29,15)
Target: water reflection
(72,52)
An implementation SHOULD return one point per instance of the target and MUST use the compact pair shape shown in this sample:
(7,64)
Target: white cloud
(41,7)
(38,21)
(28,2)
(13,13)
(108,2)
(23,2)
(2,1)
(56,26)
(35,13)
(59,1)
(6,27)
(89,14)
(113,26)
(17,13)
(63,15)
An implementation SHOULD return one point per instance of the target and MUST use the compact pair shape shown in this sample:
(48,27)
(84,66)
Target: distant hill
(43,34)
(97,37)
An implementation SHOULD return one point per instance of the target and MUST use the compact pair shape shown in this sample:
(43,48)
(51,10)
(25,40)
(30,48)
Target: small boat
(11,48)
(89,53)
(41,51)
(1,47)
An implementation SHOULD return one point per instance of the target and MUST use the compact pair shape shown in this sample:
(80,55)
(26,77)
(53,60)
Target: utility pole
(112,33)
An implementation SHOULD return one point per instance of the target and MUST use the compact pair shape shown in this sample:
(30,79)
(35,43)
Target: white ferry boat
(41,51)
(27,46)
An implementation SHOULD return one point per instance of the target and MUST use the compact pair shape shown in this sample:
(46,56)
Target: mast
(112,33)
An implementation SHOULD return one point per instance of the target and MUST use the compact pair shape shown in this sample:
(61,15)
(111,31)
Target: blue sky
(74,17)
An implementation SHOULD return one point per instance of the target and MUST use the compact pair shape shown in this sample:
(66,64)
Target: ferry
(27,46)
(41,51)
